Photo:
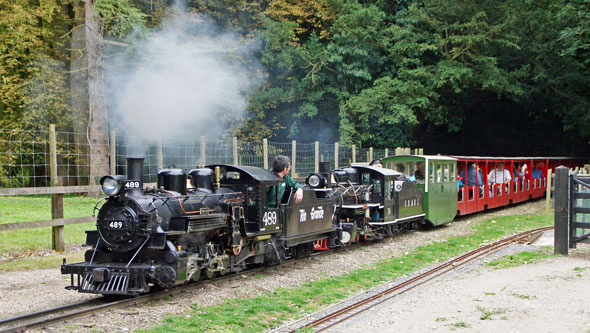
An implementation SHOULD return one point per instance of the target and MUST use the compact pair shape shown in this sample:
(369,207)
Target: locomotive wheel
(196,276)
(211,274)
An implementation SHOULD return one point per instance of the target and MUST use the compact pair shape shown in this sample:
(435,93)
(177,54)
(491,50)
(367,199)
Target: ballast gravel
(26,291)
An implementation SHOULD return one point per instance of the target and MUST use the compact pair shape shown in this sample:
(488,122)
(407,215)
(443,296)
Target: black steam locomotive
(225,222)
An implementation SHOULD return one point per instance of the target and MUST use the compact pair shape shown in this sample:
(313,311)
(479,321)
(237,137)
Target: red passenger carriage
(515,182)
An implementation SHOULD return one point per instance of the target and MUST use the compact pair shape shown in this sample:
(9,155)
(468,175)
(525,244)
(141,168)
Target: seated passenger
(474,176)
(459,187)
(537,172)
(499,175)
(419,174)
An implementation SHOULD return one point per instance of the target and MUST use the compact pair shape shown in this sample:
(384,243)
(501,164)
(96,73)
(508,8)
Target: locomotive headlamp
(112,185)
(316,180)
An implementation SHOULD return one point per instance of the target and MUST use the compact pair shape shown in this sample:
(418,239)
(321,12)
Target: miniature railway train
(226,220)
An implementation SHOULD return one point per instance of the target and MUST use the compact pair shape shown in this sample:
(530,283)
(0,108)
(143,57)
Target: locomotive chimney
(135,172)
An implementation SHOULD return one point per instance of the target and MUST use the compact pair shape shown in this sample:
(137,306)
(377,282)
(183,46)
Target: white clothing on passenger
(498,176)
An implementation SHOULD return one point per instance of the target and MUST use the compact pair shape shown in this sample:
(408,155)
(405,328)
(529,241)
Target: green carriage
(436,176)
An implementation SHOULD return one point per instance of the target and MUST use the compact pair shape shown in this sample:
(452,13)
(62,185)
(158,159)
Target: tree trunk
(79,90)
(97,112)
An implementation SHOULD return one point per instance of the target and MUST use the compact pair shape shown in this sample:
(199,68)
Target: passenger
(419,174)
(519,175)
(499,176)
(459,187)
(376,163)
(537,171)
(474,177)
(280,167)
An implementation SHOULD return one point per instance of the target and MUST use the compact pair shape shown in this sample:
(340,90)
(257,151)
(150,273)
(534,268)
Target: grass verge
(51,261)
(272,309)
(521,258)
(36,208)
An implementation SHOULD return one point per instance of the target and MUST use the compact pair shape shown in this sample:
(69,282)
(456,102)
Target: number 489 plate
(132,184)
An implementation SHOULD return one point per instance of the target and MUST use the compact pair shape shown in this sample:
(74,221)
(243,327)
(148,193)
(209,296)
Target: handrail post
(561,211)
(57,200)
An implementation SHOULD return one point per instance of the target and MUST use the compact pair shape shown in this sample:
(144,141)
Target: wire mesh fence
(25,155)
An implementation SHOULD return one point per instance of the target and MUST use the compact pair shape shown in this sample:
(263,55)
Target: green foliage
(31,66)
(119,17)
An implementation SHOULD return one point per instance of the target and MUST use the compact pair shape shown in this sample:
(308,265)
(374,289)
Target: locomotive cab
(261,212)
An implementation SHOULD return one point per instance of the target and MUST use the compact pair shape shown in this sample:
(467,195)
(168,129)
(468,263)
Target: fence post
(293,158)
(57,200)
(561,211)
(113,152)
(160,154)
(386,152)
(317,157)
(235,149)
(335,155)
(548,193)
(370,154)
(353,153)
(265,153)
(203,150)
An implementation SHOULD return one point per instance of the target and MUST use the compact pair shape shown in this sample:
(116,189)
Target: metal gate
(572,209)
(579,208)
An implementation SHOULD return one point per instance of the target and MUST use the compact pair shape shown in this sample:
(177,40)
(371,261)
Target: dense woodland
(457,77)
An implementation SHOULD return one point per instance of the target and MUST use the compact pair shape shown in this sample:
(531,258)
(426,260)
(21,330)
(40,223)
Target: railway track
(101,304)
(325,319)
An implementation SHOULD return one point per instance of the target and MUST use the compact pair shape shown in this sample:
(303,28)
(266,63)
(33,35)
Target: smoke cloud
(186,79)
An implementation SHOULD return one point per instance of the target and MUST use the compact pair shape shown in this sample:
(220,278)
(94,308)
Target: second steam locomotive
(224,222)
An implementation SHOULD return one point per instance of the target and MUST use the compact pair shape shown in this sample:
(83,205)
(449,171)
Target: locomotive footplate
(113,278)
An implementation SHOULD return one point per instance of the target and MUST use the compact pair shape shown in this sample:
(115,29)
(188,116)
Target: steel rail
(351,310)
(61,313)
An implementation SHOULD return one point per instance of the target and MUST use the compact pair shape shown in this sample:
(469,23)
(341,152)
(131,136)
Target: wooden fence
(57,191)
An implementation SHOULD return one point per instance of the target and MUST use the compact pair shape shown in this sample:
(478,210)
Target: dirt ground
(550,296)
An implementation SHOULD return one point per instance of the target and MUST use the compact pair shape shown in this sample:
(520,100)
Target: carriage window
(453,172)
(377,186)
(366,178)
(447,174)
(431,172)
(438,173)
(251,201)
(232,175)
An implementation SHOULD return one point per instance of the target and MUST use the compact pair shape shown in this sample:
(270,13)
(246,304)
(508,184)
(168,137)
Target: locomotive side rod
(321,321)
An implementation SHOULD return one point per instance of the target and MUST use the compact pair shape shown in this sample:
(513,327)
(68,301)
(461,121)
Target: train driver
(281,166)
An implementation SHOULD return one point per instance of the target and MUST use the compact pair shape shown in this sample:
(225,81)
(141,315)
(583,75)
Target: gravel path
(550,296)
(24,291)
